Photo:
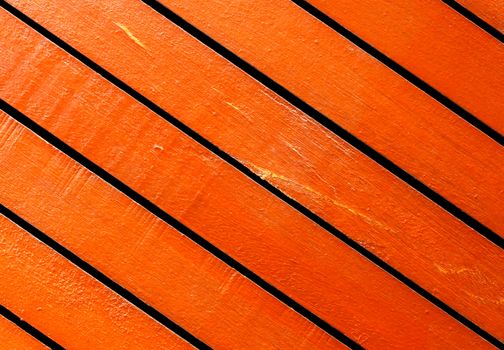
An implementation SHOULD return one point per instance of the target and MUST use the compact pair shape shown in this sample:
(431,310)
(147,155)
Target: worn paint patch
(130,34)
(281,181)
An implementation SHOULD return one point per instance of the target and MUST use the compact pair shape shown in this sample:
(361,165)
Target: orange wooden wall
(244,174)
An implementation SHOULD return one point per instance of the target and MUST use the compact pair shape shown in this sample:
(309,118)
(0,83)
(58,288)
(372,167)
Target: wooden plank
(491,11)
(464,169)
(369,100)
(437,44)
(12,337)
(65,303)
(200,190)
(144,254)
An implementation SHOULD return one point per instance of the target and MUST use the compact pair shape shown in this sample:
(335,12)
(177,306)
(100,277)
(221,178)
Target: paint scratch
(272,177)
(130,34)
(499,301)
(233,106)
(473,275)
(236,108)
(449,270)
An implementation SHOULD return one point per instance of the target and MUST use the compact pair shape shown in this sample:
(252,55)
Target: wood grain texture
(143,254)
(491,11)
(65,303)
(436,43)
(369,100)
(14,338)
(201,191)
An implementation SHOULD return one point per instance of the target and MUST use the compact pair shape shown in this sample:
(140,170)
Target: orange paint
(437,44)
(65,303)
(491,11)
(144,254)
(368,99)
(365,201)
(14,338)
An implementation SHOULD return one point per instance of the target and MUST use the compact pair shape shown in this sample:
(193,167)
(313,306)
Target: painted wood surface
(182,177)
(165,269)
(72,105)
(491,11)
(465,172)
(14,338)
(65,303)
(436,43)
(148,257)
(358,92)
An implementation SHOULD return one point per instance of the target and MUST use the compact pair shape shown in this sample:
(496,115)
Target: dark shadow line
(102,278)
(167,218)
(403,72)
(28,328)
(199,240)
(315,114)
(478,21)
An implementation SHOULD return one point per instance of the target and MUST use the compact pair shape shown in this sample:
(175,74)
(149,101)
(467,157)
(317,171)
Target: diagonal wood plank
(364,96)
(67,304)
(491,11)
(142,253)
(437,44)
(12,337)
(199,189)
(460,148)
(421,216)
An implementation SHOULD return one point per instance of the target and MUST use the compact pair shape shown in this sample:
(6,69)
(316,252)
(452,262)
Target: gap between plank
(401,71)
(154,209)
(167,218)
(28,328)
(89,269)
(325,121)
(487,27)
(239,166)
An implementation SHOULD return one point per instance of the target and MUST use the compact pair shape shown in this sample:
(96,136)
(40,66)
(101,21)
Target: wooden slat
(14,338)
(404,121)
(201,191)
(368,99)
(65,303)
(142,253)
(491,11)
(436,43)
